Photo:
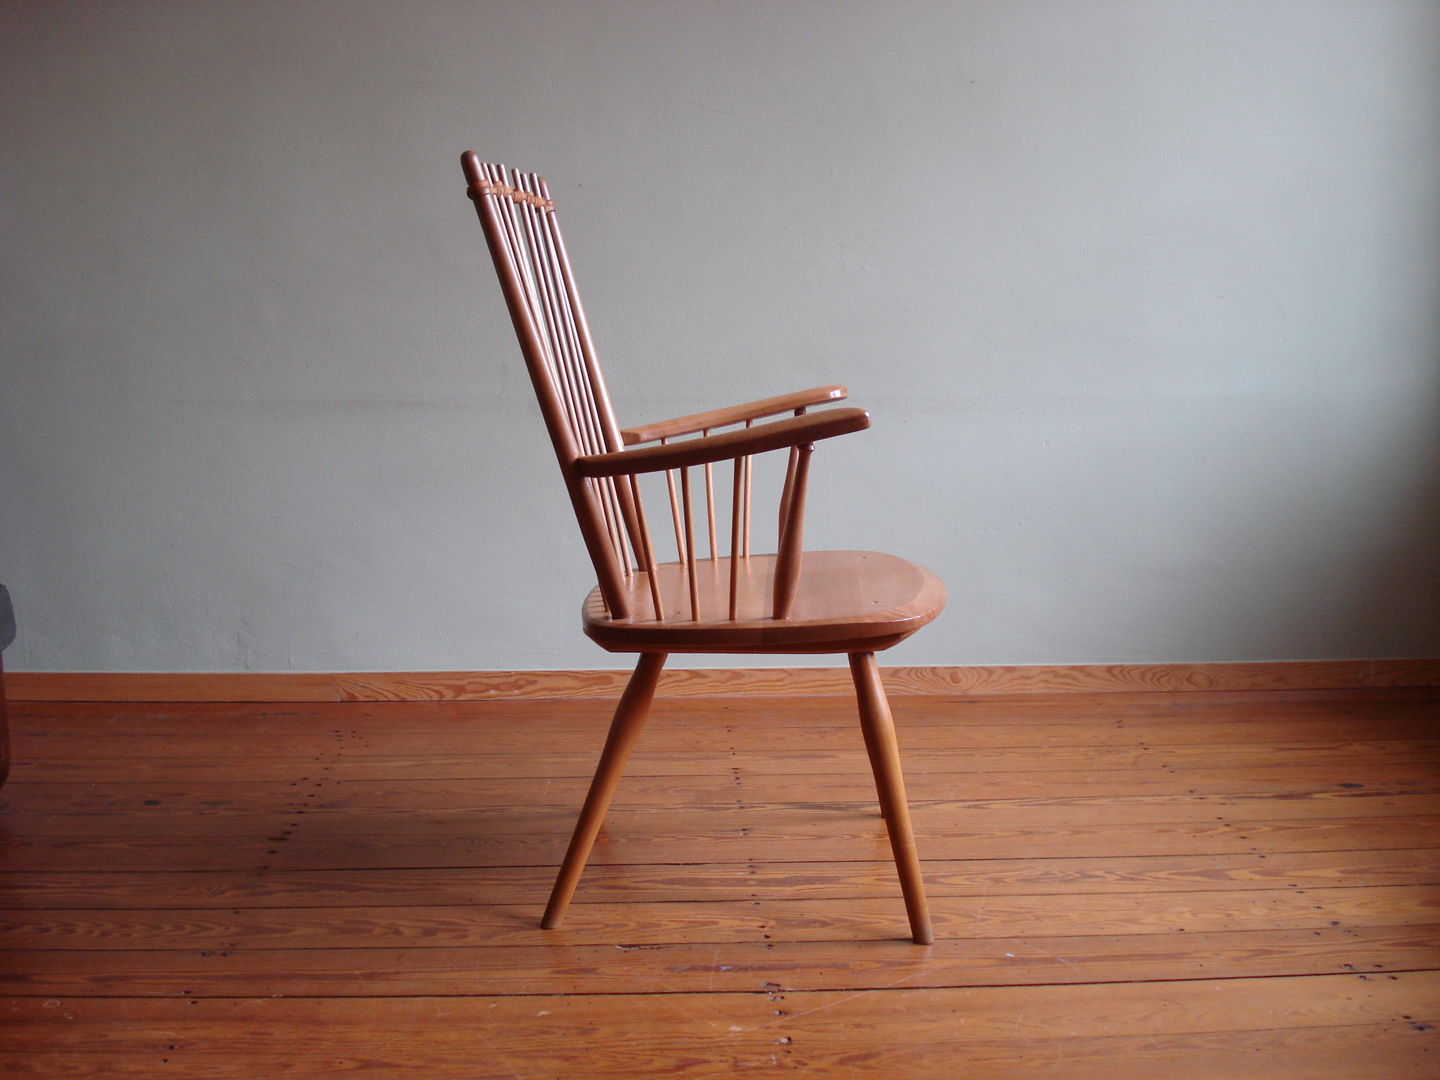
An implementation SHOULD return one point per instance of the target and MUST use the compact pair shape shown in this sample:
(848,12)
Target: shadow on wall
(1356,564)
(1397,584)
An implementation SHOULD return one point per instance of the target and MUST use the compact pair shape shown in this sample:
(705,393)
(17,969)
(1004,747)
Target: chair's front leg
(879,730)
(625,728)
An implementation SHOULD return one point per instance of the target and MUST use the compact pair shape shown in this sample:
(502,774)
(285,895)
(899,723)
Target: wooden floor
(1124,885)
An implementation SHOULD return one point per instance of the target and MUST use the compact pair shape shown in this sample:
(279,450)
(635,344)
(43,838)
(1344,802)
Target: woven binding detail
(505,191)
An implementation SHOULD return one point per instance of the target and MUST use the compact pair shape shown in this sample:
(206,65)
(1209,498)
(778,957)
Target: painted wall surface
(1142,297)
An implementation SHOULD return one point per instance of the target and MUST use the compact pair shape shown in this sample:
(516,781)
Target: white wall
(1142,297)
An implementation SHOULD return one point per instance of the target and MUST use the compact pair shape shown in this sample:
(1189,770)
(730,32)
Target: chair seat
(847,601)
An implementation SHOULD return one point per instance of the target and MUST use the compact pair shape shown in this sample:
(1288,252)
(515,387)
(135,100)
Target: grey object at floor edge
(7,635)
(7,619)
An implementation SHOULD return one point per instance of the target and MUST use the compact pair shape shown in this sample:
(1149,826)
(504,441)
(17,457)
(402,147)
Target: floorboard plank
(858,838)
(1193,1024)
(86,718)
(737,918)
(961,734)
(718,787)
(702,967)
(124,888)
(1359,755)
(932,817)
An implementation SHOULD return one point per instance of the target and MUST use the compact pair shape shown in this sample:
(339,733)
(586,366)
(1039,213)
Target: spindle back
(524,238)
(539,286)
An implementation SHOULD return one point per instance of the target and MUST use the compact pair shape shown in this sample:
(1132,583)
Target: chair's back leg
(879,730)
(625,728)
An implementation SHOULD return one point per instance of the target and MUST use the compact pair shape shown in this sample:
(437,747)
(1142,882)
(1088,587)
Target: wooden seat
(707,599)
(845,601)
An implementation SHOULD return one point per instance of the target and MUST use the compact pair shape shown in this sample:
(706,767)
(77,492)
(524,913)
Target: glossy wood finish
(1197,885)
(854,602)
(776,435)
(878,729)
(549,322)
(789,553)
(734,414)
(845,601)
(629,718)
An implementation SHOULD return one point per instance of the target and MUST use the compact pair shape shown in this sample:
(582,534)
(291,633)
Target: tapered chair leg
(625,728)
(873,752)
(879,730)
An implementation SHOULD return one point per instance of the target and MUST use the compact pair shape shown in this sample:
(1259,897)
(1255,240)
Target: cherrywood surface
(630,716)
(844,601)
(775,435)
(602,476)
(877,728)
(1179,885)
(733,414)
(679,681)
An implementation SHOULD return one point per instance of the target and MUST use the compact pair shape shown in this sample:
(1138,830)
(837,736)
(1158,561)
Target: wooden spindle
(596,379)
(787,560)
(735,523)
(647,552)
(567,350)
(553,322)
(609,429)
(571,350)
(710,505)
(690,547)
(609,502)
(521,253)
(509,231)
(587,415)
(507,251)
(552,315)
(748,424)
(675,512)
(627,514)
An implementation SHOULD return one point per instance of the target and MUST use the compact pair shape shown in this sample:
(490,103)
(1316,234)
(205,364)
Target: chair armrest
(754,410)
(797,431)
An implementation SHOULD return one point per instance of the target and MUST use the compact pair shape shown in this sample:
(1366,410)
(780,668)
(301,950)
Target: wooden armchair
(792,601)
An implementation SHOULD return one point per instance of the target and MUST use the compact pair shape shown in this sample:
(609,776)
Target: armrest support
(754,410)
(797,431)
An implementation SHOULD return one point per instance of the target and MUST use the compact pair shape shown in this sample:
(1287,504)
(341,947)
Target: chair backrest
(529,254)
(535,275)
